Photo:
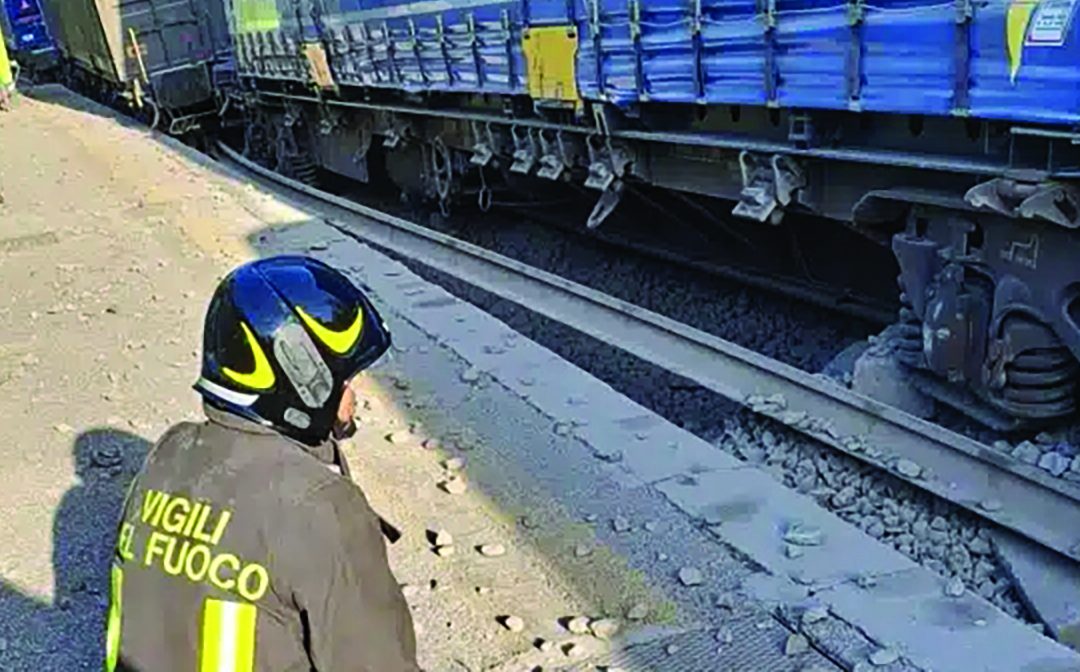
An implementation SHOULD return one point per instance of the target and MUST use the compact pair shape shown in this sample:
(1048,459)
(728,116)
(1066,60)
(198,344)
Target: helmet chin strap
(340,431)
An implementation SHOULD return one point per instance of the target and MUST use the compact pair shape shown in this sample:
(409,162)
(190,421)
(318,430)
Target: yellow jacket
(5,65)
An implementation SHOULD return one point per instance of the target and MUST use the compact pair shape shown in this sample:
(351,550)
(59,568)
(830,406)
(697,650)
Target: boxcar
(24,26)
(946,129)
(160,51)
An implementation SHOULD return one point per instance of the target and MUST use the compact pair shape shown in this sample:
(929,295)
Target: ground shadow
(67,634)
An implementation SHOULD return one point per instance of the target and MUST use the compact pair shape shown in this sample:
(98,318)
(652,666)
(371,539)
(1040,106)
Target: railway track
(990,485)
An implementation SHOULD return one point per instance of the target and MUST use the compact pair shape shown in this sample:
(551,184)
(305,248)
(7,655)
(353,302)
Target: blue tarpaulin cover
(1002,59)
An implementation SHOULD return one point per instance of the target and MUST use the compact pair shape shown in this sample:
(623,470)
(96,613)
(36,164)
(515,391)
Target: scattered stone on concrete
(801,534)
(954,587)
(884,656)
(604,628)
(409,590)
(470,375)
(444,551)
(638,612)
(512,623)
(691,576)
(572,650)
(398,437)
(795,644)
(492,550)
(991,505)
(620,524)
(579,625)
(792,551)
(544,645)
(651,526)
(442,538)
(454,486)
(454,464)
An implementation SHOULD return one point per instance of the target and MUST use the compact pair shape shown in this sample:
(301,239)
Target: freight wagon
(165,57)
(947,130)
(29,42)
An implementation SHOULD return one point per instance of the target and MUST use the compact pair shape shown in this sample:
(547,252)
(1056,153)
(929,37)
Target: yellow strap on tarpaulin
(1017,18)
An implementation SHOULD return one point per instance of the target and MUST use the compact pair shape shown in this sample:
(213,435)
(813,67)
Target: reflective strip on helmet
(227,641)
(112,632)
(231,396)
(339,342)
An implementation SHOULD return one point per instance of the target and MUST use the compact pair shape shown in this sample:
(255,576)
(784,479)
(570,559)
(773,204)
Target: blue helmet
(282,338)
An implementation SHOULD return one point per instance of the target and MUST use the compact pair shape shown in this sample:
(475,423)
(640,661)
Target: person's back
(243,549)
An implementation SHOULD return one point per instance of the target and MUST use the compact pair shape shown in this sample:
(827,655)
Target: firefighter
(7,80)
(244,545)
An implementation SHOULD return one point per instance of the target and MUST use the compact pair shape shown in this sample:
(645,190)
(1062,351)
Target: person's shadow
(68,635)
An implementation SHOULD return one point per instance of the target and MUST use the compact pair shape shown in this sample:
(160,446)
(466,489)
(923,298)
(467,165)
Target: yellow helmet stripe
(338,341)
(262,378)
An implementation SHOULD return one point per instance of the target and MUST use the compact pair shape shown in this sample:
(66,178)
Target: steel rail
(990,484)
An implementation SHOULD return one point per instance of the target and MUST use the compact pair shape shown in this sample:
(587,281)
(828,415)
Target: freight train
(947,130)
(28,39)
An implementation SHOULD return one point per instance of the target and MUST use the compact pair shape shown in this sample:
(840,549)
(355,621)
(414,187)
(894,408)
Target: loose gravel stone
(908,468)
(1054,462)
(470,375)
(545,645)
(454,464)
(795,644)
(444,551)
(804,535)
(604,628)
(398,437)
(954,587)
(724,636)
(885,656)
(1027,452)
(691,576)
(583,550)
(792,551)
(620,524)
(578,625)
(572,650)
(638,612)
(442,538)
(454,486)
(492,550)
(513,623)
